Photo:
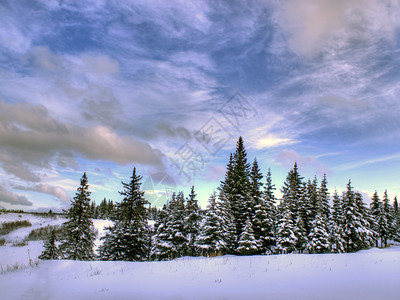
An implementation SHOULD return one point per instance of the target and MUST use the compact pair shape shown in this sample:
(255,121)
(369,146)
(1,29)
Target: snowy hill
(371,274)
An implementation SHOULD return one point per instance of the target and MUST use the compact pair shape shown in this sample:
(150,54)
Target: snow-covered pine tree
(389,215)
(366,221)
(382,227)
(336,236)
(356,231)
(235,193)
(300,233)
(257,207)
(318,239)
(248,244)
(323,199)
(50,248)
(337,212)
(192,222)
(268,230)
(255,192)
(176,224)
(375,211)
(312,193)
(162,247)
(336,240)
(211,239)
(305,209)
(240,192)
(396,211)
(228,227)
(285,236)
(129,238)
(79,234)
(291,192)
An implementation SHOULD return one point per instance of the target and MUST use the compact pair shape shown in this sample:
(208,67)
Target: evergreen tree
(162,246)
(291,192)
(396,212)
(79,233)
(235,192)
(192,222)
(323,199)
(319,237)
(313,201)
(50,248)
(170,241)
(228,227)
(336,240)
(337,213)
(301,237)
(240,193)
(285,236)
(382,225)
(356,231)
(129,238)
(389,216)
(211,239)
(305,210)
(248,244)
(375,211)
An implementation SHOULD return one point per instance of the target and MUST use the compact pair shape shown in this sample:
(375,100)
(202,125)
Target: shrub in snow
(50,248)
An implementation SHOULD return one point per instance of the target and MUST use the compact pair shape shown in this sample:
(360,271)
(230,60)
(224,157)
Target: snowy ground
(372,274)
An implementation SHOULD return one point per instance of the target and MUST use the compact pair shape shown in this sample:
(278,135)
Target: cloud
(271,140)
(354,165)
(12,198)
(215,172)
(317,26)
(58,192)
(12,38)
(287,158)
(20,170)
(30,135)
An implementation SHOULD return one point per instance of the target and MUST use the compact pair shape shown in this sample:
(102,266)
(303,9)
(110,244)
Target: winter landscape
(371,274)
(199,149)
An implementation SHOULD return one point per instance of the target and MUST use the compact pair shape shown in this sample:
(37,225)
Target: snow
(369,274)
(36,221)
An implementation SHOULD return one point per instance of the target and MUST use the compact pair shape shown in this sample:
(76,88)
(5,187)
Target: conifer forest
(243,217)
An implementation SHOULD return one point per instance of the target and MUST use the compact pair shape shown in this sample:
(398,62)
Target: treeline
(243,217)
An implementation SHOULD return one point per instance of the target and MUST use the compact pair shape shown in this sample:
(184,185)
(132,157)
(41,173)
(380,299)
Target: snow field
(370,274)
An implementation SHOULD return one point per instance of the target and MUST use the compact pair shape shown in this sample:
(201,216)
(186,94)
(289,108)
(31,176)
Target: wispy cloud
(358,164)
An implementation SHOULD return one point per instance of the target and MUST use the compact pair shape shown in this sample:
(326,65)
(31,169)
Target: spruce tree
(129,238)
(79,233)
(336,240)
(323,199)
(240,193)
(192,222)
(285,234)
(50,248)
(356,228)
(375,211)
(337,212)
(319,237)
(291,192)
(235,192)
(162,246)
(211,239)
(300,233)
(248,244)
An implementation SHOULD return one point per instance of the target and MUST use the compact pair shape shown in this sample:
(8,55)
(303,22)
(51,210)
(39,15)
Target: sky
(168,87)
